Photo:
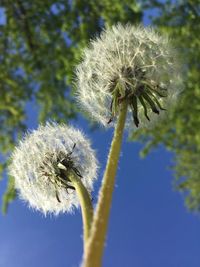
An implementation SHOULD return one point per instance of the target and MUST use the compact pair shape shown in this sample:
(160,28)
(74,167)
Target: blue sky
(149,225)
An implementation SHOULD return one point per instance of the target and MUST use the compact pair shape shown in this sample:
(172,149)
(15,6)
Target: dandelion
(129,64)
(44,163)
(129,74)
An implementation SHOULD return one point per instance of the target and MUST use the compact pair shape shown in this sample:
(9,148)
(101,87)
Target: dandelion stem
(95,245)
(85,203)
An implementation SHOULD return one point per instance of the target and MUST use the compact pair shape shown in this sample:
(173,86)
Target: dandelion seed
(35,167)
(128,63)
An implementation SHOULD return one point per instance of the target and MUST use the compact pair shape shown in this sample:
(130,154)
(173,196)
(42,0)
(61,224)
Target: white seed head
(35,167)
(129,63)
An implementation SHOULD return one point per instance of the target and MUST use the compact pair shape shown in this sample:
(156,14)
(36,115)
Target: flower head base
(37,167)
(127,63)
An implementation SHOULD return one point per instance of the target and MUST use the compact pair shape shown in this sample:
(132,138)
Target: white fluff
(39,149)
(125,46)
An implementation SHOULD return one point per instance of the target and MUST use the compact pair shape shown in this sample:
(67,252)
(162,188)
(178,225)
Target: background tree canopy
(41,43)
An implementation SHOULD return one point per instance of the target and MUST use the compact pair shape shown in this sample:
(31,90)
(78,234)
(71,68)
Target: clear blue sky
(149,225)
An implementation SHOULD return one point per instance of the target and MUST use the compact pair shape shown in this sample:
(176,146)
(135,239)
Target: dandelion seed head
(35,167)
(128,63)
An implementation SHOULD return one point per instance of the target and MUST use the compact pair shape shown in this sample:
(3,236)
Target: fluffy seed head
(128,63)
(35,167)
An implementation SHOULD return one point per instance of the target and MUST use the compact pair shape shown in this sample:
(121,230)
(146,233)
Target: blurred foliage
(181,132)
(40,44)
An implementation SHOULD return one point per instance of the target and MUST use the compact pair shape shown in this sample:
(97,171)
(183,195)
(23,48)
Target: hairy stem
(86,205)
(95,245)
(85,202)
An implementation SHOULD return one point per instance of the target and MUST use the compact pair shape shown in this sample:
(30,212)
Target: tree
(40,45)
(181,132)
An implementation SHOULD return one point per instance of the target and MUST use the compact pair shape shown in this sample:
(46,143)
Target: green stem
(95,245)
(85,202)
